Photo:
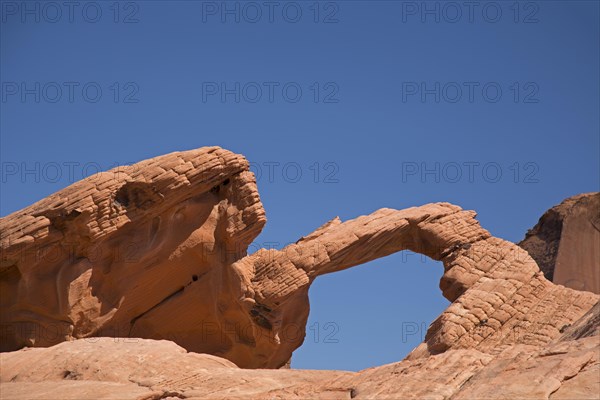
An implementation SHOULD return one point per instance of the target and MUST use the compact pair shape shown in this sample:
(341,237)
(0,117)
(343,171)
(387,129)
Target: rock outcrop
(565,243)
(138,251)
(157,250)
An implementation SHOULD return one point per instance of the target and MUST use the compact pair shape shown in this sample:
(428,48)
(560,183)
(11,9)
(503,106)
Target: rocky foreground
(96,276)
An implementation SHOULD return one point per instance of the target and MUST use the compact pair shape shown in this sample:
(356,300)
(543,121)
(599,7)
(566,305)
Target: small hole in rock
(194,278)
(226,182)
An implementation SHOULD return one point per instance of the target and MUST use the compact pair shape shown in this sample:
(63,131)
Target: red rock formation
(140,251)
(157,250)
(566,243)
(499,295)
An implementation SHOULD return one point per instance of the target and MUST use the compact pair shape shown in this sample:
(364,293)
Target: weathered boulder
(138,251)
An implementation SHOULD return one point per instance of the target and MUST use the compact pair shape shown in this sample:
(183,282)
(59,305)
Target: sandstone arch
(499,295)
(158,250)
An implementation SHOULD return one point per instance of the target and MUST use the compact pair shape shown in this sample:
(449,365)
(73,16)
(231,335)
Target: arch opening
(372,314)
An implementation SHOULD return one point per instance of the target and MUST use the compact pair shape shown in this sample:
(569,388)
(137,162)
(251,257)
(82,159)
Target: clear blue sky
(372,96)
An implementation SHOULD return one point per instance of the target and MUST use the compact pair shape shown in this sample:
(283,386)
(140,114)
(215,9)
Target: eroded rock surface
(565,243)
(139,251)
(157,250)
